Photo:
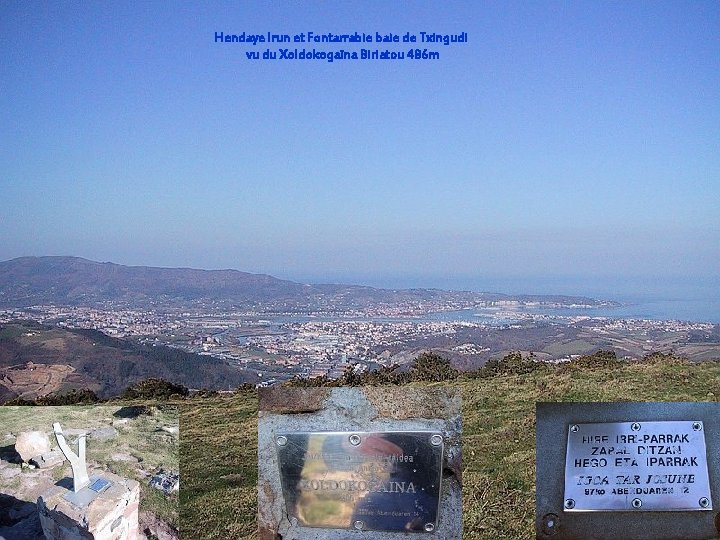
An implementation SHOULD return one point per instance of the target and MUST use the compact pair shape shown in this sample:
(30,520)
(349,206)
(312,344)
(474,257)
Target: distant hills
(74,280)
(28,281)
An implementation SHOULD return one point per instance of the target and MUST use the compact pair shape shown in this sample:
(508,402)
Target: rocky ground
(133,442)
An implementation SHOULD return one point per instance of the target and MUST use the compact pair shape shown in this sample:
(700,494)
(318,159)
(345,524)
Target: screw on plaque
(704,502)
(550,523)
(436,440)
(635,426)
(359,525)
(697,426)
(636,503)
(355,440)
(574,428)
(281,440)
(569,504)
(429,527)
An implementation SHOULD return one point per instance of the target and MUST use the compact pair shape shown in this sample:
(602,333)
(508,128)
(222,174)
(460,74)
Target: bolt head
(697,426)
(704,502)
(354,440)
(635,426)
(358,524)
(574,428)
(550,524)
(636,503)
(569,504)
(436,440)
(429,527)
(281,440)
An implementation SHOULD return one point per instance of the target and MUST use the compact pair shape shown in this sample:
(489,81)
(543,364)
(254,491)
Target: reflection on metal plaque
(636,466)
(383,481)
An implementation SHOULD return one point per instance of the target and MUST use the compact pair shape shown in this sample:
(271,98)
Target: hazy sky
(564,139)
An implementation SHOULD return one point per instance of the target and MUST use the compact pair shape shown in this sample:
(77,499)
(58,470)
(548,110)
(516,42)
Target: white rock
(32,443)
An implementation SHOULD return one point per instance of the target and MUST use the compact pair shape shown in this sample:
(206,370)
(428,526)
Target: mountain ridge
(72,280)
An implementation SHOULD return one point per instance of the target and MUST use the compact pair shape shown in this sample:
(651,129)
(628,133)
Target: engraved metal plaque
(375,481)
(637,466)
(99,485)
(89,493)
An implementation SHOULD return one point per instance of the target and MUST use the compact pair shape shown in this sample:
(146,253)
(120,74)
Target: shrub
(513,363)
(432,367)
(154,389)
(664,358)
(599,359)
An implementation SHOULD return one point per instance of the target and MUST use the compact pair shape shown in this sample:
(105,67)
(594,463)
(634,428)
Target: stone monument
(101,506)
(77,461)
(374,463)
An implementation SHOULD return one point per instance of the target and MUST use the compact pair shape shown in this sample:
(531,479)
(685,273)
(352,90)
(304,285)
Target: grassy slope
(219,444)
(218,460)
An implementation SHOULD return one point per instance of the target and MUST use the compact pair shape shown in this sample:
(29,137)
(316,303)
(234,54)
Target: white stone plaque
(637,466)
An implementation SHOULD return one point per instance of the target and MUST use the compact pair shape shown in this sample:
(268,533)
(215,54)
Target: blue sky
(564,140)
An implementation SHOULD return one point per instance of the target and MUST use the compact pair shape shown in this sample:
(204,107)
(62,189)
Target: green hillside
(219,436)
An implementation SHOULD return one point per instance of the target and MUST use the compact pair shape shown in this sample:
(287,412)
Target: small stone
(101,434)
(48,459)
(173,430)
(120,456)
(32,443)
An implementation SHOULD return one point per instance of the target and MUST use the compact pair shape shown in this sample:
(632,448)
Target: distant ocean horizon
(693,298)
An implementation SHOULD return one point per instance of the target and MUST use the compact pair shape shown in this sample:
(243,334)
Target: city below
(277,336)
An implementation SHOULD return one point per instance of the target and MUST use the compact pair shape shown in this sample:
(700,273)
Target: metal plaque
(99,485)
(375,481)
(89,493)
(636,466)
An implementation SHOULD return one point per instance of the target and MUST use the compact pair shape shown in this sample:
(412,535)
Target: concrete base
(111,515)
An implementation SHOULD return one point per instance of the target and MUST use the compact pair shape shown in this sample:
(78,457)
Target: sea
(682,298)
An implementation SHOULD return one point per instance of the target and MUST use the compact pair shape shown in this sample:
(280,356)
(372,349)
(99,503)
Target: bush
(664,358)
(599,359)
(513,363)
(432,367)
(154,389)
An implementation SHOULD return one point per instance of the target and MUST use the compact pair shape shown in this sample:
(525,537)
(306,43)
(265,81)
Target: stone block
(48,459)
(32,443)
(111,515)
(102,434)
